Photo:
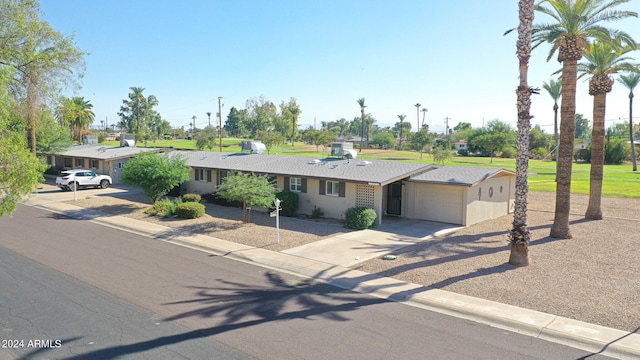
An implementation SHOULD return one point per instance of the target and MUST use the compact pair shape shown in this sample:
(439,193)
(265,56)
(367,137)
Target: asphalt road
(93,292)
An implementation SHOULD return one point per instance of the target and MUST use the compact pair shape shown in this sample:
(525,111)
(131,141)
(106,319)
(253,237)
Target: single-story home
(451,194)
(106,160)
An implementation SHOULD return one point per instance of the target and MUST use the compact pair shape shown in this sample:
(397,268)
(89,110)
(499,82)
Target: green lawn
(619,180)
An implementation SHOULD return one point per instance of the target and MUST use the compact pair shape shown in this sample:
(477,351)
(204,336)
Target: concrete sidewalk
(329,260)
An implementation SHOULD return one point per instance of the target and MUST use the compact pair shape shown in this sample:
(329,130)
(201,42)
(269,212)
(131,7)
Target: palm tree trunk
(633,145)
(560,228)
(519,235)
(594,209)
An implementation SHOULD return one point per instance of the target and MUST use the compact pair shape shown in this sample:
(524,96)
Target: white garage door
(442,203)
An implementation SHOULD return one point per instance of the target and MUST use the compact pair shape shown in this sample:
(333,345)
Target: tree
(441,154)
(424,114)
(519,235)
(291,110)
(156,174)
(39,60)
(630,81)
(554,88)
(491,142)
(574,24)
(583,129)
(362,106)
(137,112)
(270,138)
(83,115)
(602,61)
(420,139)
(251,190)
(207,138)
(384,140)
(417,105)
(20,170)
(236,121)
(401,117)
(260,115)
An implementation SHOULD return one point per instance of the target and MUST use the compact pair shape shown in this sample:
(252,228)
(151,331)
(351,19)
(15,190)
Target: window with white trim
(202,175)
(79,162)
(333,188)
(295,184)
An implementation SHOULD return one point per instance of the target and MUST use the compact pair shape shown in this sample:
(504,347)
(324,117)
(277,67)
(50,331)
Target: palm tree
(554,88)
(575,22)
(401,117)
(424,114)
(630,81)
(209,117)
(418,114)
(295,112)
(83,115)
(137,96)
(602,61)
(362,106)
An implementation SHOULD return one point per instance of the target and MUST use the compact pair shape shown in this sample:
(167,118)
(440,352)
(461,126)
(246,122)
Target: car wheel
(104,184)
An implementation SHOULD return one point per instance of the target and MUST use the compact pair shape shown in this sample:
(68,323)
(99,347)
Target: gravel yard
(594,277)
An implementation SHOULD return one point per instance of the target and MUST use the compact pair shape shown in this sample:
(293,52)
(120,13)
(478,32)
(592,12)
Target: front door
(394,199)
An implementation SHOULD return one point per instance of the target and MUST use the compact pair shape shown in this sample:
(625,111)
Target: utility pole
(193,128)
(446,121)
(220,117)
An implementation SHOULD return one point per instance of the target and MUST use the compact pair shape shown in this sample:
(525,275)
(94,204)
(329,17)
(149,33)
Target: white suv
(75,179)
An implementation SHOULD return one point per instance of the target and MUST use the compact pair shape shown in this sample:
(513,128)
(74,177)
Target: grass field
(619,180)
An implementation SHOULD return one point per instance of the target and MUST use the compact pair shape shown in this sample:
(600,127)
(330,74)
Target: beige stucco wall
(490,199)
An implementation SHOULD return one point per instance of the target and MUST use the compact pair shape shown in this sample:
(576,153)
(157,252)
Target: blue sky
(450,56)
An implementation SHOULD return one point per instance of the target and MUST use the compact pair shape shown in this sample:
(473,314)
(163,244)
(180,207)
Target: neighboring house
(107,160)
(458,195)
(461,145)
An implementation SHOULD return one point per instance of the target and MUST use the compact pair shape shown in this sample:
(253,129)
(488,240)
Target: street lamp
(277,203)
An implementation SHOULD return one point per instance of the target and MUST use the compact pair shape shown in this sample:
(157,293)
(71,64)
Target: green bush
(190,210)
(163,207)
(508,152)
(316,212)
(538,153)
(289,204)
(191,198)
(359,218)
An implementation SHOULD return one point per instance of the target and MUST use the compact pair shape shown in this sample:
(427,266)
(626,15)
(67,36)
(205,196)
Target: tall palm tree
(362,106)
(417,105)
(295,112)
(519,235)
(424,114)
(630,81)
(575,22)
(554,88)
(137,96)
(602,61)
(401,117)
(83,115)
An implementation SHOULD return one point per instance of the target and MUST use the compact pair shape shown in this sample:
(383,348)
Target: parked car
(76,179)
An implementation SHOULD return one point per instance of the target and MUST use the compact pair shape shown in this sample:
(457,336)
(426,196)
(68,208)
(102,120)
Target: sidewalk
(329,260)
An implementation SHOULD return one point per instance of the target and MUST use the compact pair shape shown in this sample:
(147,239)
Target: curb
(577,334)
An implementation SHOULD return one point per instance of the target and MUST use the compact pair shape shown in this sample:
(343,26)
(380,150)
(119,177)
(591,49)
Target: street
(87,291)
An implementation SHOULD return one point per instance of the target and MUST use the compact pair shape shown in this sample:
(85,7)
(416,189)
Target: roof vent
(314,161)
(363,163)
(102,149)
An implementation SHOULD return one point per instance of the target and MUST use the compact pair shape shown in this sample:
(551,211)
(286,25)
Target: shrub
(216,199)
(190,210)
(316,212)
(163,207)
(508,152)
(289,204)
(360,218)
(191,198)
(538,153)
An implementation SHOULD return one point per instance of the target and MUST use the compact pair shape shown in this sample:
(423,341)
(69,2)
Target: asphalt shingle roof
(103,152)
(378,172)
(458,175)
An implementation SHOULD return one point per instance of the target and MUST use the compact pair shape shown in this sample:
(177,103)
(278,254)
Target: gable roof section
(104,152)
(378,172)
(459,175)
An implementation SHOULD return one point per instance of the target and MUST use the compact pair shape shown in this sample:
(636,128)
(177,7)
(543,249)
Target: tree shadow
(604,348)
(235,306)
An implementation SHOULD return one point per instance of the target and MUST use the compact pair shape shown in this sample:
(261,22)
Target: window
(222,174)
(67,162)
(295,184)
(333,188)
(203,175)
(93,164)
(79,162)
